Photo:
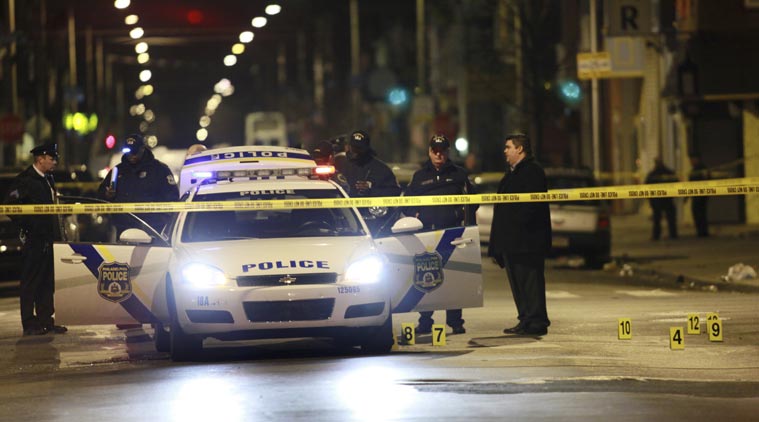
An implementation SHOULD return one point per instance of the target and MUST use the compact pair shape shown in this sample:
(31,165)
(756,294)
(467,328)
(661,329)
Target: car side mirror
(135,236)
(407,225)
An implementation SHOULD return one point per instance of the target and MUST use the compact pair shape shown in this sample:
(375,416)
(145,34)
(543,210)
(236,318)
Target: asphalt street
(579,371)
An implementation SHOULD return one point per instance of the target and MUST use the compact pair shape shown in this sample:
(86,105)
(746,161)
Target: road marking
(647,293)
(560,294)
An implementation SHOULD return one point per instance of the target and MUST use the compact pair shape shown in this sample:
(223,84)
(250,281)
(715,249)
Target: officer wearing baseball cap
(35,185)
(440,176)
(140,177)
(368,176)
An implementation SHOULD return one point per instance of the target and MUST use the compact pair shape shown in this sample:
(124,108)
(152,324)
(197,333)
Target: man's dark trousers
(37,284)
(526,273)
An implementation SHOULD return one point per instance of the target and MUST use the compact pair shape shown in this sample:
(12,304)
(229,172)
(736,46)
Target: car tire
(161,338)
(378,340)
(182,347)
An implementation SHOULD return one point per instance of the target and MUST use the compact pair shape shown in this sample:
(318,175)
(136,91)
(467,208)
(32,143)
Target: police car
(263,272)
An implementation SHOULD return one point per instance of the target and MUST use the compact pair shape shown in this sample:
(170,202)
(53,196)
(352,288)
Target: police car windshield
(269,224)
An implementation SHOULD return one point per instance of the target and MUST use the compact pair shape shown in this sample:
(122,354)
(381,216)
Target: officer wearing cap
(368,176)
(140,177)
(440,176)
(35,185)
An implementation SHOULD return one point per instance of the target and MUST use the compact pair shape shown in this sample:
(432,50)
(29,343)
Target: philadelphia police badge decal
(428,271)
(114,282)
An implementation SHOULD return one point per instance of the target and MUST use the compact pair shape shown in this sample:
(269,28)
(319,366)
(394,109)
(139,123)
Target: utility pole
(595,120)
(355,62)
(420,48)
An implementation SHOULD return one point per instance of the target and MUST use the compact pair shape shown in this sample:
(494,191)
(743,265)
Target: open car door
(101,281)
(434,270)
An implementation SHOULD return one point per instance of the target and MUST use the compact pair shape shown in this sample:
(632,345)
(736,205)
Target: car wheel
(161,338)
(184,347)
(378,340)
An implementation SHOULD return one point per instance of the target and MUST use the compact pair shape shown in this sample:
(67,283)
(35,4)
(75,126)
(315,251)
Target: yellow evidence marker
(715,330)
(407,334)
(438,334)
(624,329)
(694,324)
(710,316)
(676,339)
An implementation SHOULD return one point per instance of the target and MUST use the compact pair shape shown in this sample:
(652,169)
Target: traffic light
(569,92)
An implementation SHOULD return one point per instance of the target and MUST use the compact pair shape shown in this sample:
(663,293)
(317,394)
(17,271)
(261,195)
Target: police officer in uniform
(440,176)
(367,176)
(140,178)
(35,185)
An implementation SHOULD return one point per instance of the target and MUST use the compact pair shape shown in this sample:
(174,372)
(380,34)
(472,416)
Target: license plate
(560,242)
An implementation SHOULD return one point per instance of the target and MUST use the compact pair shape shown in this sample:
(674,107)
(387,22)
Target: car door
(101,281)
(433,270)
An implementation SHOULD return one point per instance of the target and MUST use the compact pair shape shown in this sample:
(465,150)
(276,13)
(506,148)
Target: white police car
(265,273)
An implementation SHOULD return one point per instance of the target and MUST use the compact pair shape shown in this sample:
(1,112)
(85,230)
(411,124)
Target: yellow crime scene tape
(743,186)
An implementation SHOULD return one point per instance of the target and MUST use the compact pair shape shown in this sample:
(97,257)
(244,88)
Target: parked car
(579,227)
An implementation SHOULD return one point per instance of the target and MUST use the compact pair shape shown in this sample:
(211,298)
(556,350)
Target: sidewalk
(686,262)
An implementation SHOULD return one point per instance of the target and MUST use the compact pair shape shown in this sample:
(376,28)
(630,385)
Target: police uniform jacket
(521,227)
(449,180)
(373,170)
(147,181)
(30,188)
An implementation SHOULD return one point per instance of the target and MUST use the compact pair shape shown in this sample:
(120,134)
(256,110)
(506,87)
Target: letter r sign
(629,17)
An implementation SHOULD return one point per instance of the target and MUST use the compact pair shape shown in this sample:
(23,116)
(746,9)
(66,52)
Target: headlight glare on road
(367,270)
(202,275)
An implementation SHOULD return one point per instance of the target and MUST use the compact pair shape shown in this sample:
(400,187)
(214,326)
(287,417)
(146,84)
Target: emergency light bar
(249,162)
(323,171)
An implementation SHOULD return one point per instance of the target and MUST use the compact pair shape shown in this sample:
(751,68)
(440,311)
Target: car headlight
(367,270)
(202,275)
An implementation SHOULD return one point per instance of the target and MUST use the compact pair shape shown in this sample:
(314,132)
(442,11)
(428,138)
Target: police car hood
(278,256)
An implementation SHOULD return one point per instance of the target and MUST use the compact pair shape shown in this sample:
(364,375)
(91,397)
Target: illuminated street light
(136,33)
(139,109)
(144,126)
(246,37)
(121,4)
(201,134)
(462,145)
(230,60)
(149,116)
(141,47)
(204,121)
(152,141)
(258,22)
(147,89)
(238,48)
(145,75)
(143,58)
(273,9)
(131,19)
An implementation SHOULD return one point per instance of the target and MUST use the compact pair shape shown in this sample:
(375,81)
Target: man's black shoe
(513,330)
(532,332)
(57,329)
(423,329)
(38,331)
(459,329)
